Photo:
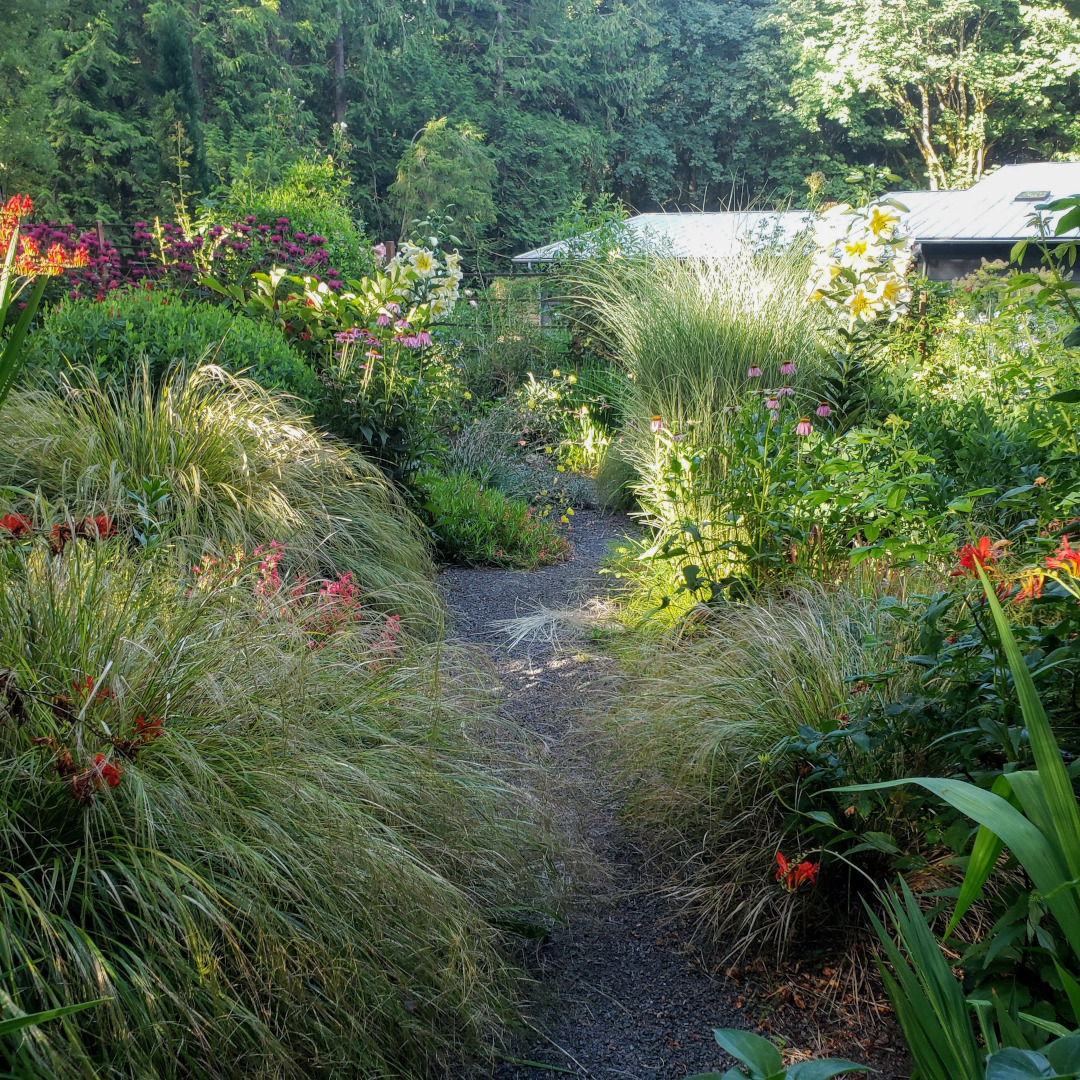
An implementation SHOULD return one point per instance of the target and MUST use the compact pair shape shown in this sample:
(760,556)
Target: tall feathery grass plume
(687,332)
(274,857)
(240,465)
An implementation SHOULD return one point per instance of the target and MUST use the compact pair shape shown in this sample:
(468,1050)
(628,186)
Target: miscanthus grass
(687,332)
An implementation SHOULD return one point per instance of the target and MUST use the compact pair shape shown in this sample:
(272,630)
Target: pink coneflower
(787,368)
(784,391)
(823,410)
(379,251)
(424,338)
(383,319)
(753,372)
(804,427)
(772,404)
(656,425)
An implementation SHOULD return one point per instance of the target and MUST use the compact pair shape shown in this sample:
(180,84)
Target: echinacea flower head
(824,410)
(784,391)
(804,427)
(772,404)
(656,425)
(753,372)
(787,368)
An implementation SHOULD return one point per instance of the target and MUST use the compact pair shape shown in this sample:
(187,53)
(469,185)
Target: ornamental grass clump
(238,464)
(694,337)
(694,742)
(273,856)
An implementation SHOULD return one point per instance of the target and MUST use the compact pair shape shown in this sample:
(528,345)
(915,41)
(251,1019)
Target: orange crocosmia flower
(1032,586)
(1065,558)
(982,553)
(792,875)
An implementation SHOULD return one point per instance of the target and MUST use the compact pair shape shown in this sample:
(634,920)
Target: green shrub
(160,330)
(239,466)
(275,857)
(481,526)
(314,196)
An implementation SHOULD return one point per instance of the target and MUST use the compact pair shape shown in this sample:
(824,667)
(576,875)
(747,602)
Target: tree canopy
(513,109)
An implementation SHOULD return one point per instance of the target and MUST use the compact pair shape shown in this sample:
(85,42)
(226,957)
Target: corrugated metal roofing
(696,235)
(988,211)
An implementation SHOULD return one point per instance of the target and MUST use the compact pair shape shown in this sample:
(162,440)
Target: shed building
(954,230)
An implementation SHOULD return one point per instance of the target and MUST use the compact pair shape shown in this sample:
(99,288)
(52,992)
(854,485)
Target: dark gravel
(622,990)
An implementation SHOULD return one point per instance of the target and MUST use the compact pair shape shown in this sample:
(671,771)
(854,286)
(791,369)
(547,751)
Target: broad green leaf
(1072,990)
(761,1056)
(824,1069)
(1066,397)
(984,855)
(1012,1063)
(1060,797)
(1034,851)
(1064,1055)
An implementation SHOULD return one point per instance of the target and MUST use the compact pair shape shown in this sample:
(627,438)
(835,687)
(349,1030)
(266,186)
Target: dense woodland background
(106,104)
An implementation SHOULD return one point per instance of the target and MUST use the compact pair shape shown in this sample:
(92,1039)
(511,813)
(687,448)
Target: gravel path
(622,991)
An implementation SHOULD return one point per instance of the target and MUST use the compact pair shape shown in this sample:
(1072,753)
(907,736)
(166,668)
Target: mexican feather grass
(241,467)
(300,873)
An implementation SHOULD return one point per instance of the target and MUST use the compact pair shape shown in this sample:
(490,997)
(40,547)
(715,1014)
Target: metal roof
(987,212)
(695,235)
(990,209)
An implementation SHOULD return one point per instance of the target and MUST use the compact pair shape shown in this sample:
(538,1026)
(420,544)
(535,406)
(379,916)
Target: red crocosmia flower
(104,525)
(16,524)
(87,685)
(981,553)
(792,875)
(1065,558)
(148,729)
(109,772)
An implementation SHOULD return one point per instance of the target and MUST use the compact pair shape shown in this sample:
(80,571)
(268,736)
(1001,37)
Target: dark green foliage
(116,337)
(447,168)
(482,527)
